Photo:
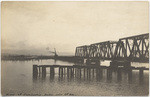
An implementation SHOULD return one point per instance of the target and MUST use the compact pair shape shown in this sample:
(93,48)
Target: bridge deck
(90,66)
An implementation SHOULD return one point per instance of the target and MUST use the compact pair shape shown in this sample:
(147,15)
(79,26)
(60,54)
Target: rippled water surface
(17,80)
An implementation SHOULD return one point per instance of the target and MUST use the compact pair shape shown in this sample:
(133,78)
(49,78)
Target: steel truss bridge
(132,49)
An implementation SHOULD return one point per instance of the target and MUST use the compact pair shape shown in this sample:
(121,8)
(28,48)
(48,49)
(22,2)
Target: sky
(30,27)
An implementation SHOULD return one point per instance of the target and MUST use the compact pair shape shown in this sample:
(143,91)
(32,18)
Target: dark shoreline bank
(34,57)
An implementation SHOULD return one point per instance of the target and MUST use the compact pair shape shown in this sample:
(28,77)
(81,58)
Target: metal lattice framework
(135,48)
(104,50)
(82,51)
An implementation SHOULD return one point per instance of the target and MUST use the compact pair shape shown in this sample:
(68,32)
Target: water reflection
(12,81)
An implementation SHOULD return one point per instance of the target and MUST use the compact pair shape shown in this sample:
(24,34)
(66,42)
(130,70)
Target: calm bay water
(17,80)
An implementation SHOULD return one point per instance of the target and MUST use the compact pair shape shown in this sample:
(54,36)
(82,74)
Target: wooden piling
(129,75)
(109,73)
(75,72)
(100,73)
(39,69)
(80,72)
(43,71)
(52,72)
(84,73)
(64,71)
(141,75)
(93,72)
(67,72)
(119,74)
(97,74)
(35,71)
(61,72)
(71,73)
(89,73)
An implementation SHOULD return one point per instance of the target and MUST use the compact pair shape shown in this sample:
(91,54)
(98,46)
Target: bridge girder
(135,48)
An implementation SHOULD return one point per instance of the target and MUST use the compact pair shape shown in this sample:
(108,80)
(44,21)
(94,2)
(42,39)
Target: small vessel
(55,53)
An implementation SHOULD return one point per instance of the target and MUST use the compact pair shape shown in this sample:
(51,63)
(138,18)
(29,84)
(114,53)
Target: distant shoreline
(36,57)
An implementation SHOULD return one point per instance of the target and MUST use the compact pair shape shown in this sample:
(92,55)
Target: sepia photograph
(74,48)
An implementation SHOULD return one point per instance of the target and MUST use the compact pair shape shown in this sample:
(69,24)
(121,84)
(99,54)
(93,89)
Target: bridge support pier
(75,69)
(125,64)
(43,72)
(35,71)
(72,72)
(99,73)
(64,71)
(130,75)
(67,72)
(84,73)
(88,62)
(93,72)
(80,72)
(109,74)
(52,72)
(87,73)
(141,75)
(119,74)
(93,62)
(39,71)
(80,60)
(61,72)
